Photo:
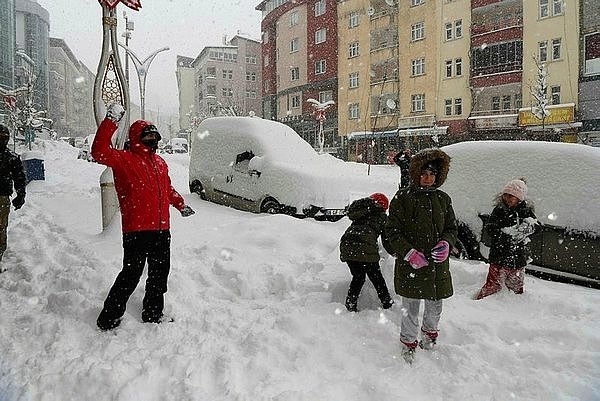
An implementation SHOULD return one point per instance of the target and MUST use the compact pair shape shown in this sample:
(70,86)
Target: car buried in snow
(264,166)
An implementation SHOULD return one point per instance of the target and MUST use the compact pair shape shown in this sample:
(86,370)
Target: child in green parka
(360,249)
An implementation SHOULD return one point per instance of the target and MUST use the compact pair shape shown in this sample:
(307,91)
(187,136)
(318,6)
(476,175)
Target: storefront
(558,126)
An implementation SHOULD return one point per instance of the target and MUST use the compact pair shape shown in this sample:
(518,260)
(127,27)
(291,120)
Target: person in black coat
(402,160)
(509,226)
(360,249)
(12,175)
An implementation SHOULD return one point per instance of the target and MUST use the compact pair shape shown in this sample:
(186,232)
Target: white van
(264,166)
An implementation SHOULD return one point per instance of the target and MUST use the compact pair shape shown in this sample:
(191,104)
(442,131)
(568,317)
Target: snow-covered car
(563,185)
(264,166)
(179,145)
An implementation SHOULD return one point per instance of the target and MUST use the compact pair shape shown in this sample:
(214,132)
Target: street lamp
(320,117)
(142,71)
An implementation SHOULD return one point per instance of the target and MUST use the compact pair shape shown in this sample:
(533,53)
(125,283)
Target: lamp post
(109,88)
(142,71)
(320,117)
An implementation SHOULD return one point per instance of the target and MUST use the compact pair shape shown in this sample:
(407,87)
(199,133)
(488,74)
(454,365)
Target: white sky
(258,303)
(186,26)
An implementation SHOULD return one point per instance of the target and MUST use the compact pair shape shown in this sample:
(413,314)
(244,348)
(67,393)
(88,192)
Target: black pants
(371,269)
(139,247)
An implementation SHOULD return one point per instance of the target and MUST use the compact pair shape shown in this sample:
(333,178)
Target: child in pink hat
(509,226)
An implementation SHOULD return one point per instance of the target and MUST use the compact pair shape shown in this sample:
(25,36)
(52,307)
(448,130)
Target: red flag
(133,4)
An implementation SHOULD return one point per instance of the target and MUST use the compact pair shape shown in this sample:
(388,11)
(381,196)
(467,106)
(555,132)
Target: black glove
(18,201)
(115,112)
(186,211)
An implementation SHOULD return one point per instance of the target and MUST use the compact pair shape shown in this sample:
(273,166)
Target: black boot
(352,303)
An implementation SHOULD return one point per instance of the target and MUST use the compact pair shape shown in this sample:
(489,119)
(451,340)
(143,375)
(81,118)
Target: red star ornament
(133,4)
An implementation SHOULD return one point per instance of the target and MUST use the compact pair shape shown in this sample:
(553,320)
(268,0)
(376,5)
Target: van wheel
(197,188)
(270,206)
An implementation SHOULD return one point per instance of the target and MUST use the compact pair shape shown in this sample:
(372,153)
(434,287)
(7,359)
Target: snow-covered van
(264,166)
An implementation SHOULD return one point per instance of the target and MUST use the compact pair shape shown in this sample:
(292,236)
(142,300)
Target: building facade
(589,72)
(300,62)
(32,27)
(7,43)
(186,90)
(71,86)
(227,79)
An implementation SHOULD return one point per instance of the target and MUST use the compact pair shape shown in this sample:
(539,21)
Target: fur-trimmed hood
(438,156)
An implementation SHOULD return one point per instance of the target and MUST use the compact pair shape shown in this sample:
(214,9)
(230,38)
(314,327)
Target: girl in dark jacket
(360,249)
(509,226)
(421,229)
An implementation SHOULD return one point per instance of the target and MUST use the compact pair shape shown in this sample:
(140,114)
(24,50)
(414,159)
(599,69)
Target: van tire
(197,188)
(271,206)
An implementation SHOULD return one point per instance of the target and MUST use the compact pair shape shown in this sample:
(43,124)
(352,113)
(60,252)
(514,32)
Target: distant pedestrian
(12,175)
(145,193)
(359,248)
(402,160)
(509,226)
(420,230)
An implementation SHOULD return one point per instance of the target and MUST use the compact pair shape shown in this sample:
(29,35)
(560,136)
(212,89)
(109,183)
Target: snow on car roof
(562,178)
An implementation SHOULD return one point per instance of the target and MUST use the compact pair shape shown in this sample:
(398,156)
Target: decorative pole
(142,70)
(320,117)
(109,87)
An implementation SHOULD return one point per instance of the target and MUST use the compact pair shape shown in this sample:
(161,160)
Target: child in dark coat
(509,226)
(360,249)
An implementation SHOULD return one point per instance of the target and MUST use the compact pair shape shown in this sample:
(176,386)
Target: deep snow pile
(259,316)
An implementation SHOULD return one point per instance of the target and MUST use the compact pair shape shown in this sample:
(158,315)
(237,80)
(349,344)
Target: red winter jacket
(141,179)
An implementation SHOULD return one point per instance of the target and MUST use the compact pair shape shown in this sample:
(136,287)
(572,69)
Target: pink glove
(440,252)
(416,259)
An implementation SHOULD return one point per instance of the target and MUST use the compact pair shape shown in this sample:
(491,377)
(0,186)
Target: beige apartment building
(291,56)
(551,37)
(186,91)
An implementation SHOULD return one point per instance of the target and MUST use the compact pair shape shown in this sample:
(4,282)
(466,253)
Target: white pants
(409,327)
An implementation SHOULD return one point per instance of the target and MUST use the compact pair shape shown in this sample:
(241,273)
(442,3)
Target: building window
(518,101)
(458,106)
(211,72)
(320,36)
(250,59)
(458,29)
(500,57)
(294,45)
(227,92)
(557,7)
(295,71)
(295,101)
(506,102)
(448,68)
(320,67)
(325,96)
(544,12)
(416,2)
(449,30)
(353,111)
(591,53)
(458,67)
(448,107)
(417,102)
(543,51)
(556,49)
(293,18)
(251,94)
(266,60)
(251,76)
(417,31)
(353,50)
(227,74)
(319,8)
(418,67)
(496,103)
(265,37)
(555,94)
(353,80)
(353,19)
(211,90)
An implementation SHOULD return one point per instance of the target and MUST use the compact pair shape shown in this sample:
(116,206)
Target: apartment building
(589,73)
(299,49)
(7,43)
(227,79)
(71,86)
(185,75)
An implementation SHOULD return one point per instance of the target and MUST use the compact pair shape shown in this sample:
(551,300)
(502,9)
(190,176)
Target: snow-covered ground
(258,304)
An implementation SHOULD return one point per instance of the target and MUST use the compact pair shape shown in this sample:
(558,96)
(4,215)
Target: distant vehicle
(264,166)
(563,186)
(179,145)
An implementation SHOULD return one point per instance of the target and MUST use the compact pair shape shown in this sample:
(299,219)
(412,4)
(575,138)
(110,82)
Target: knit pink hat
(516,188)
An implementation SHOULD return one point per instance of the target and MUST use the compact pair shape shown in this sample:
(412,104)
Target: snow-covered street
(259,315)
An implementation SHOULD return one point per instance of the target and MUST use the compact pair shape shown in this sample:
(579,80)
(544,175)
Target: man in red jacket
(145,193)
